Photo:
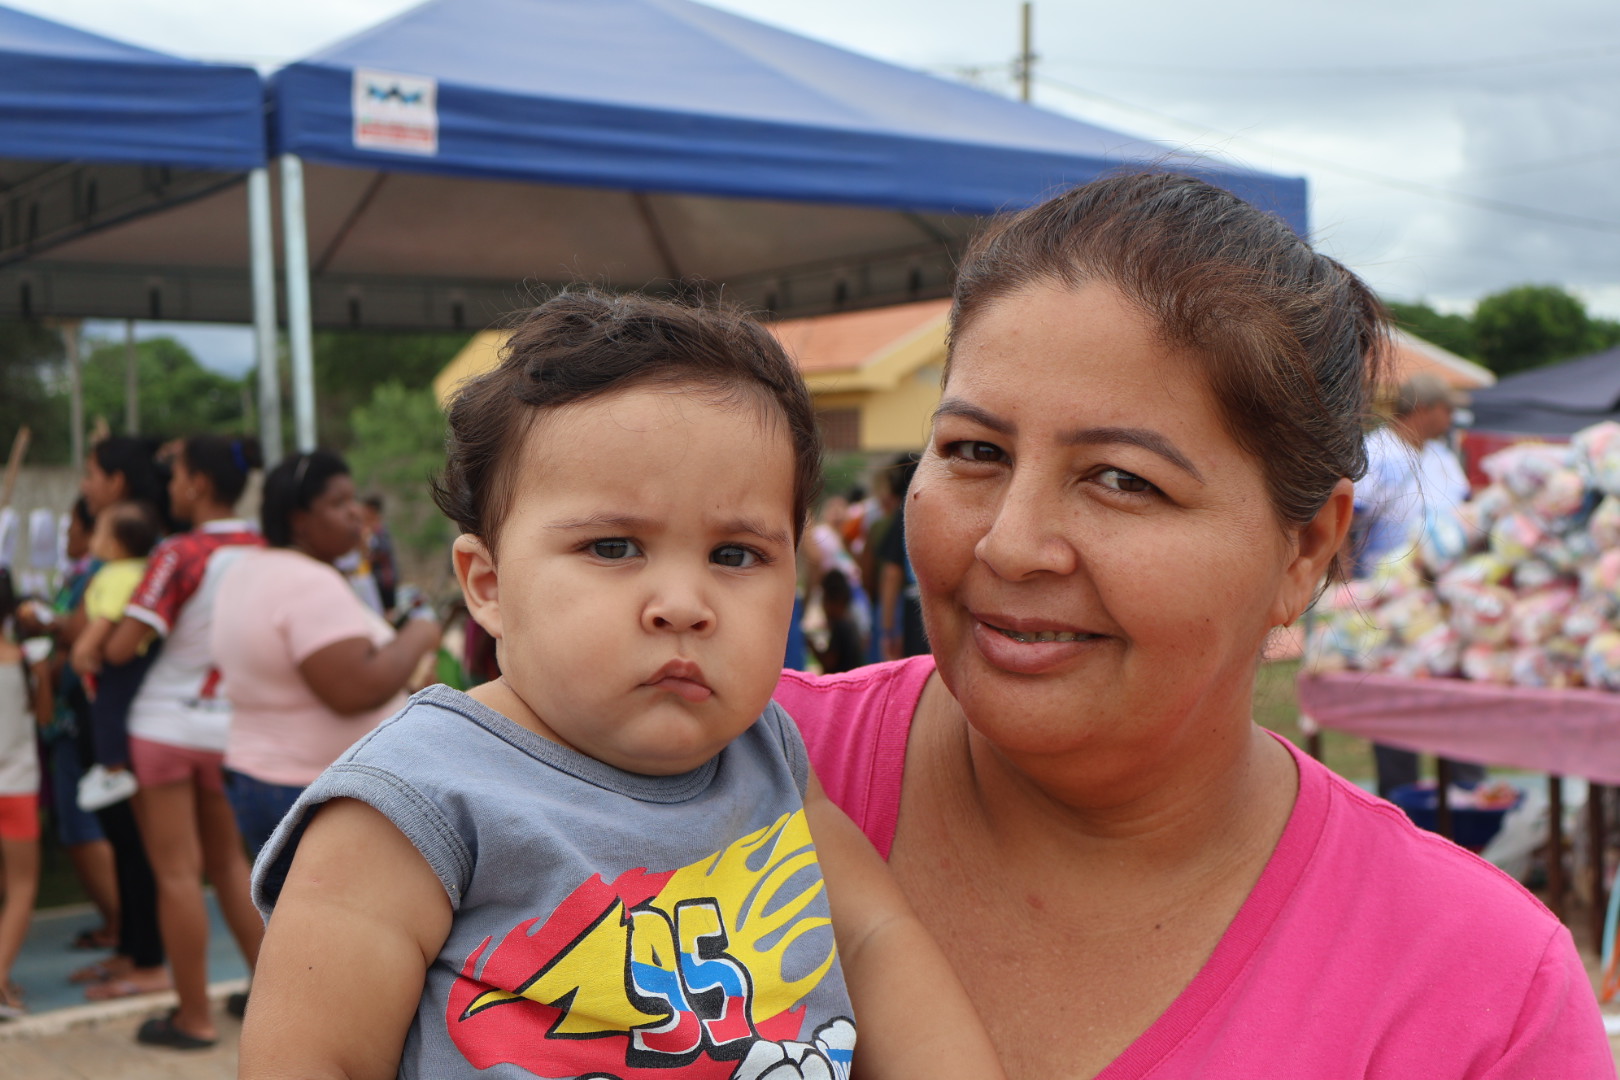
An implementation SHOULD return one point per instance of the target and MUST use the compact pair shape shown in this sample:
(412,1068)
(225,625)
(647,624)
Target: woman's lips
(682,678)
(1024,647)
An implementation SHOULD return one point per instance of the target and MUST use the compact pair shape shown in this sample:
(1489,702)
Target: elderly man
(1411,471)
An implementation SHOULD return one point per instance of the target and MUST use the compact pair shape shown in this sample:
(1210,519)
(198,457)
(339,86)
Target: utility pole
(1025,64)
(69,330)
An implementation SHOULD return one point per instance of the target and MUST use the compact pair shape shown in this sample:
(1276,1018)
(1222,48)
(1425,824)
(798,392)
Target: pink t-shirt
(274,610)
(1368,948)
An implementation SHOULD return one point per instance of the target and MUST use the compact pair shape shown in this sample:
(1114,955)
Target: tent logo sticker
(396,112)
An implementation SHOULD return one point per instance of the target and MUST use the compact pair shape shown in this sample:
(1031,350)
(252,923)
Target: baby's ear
(480,584)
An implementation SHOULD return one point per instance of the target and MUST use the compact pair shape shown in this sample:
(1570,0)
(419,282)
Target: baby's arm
(340,974)
(88,646)
(912,1016)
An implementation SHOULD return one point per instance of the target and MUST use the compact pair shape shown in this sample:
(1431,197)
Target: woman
(307,665)
(118,468)
(1141,466)
(177,726)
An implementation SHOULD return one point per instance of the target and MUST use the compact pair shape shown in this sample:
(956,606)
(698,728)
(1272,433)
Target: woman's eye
(973,450)
(1120,480)
(734,555)
(616,548)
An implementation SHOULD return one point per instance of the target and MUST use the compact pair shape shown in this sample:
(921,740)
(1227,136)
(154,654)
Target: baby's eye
(734,555)
(614,548)
(973,450)
(1129,483)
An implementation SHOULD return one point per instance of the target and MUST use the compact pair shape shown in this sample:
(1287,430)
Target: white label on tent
(396,112)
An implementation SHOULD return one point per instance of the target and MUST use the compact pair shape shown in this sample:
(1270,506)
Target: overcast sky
(1453,149)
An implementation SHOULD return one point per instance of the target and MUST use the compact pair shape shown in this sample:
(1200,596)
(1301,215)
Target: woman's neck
(1214,804)
(207,513)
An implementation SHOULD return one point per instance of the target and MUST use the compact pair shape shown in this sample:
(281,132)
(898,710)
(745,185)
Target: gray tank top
(607,924)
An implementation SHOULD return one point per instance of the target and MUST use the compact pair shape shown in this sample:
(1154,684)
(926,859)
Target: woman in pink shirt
(1141,466)
(307,666)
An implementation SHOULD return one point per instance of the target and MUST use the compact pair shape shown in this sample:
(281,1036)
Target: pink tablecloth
(1566,732)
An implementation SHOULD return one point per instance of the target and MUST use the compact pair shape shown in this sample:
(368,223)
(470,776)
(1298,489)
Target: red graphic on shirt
(568,961)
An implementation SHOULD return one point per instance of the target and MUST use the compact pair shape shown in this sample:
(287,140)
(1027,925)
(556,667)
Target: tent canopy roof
(1559,399)
(66,94)
(671,95)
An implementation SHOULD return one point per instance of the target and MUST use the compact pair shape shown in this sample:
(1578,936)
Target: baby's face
(646,575)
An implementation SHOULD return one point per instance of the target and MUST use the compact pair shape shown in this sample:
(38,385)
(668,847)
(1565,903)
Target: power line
(1483,202)
(1488,63)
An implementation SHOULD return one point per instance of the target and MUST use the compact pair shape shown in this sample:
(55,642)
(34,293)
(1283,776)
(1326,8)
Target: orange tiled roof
(850,340)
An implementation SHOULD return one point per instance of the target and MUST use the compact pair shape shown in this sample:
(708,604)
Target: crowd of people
(1018,819)
(196,669)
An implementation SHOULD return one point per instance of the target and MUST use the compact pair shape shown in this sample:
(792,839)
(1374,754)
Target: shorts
(19,817)
(157,764)
(259,806)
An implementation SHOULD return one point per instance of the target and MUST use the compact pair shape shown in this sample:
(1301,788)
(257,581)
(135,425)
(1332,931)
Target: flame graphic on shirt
(656,970)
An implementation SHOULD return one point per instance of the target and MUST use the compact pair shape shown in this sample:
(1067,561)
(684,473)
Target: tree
(177,395)
(398,446)
(33,391)
(1454,333)
(1531,325)
(350,365)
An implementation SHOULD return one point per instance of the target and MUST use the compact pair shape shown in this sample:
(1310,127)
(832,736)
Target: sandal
(113,989)
(236,1004)
(11,1002)
(160,1031)
(98,972)
(97,940)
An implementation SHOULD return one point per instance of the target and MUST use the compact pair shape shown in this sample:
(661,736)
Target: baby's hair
(135,526)
(583,344)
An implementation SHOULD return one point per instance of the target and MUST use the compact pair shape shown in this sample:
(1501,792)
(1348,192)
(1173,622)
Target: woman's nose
(1028,534)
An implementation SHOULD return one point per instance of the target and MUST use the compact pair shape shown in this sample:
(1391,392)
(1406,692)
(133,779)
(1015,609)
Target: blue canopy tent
(96,132)
(644,142)
(435,165)
(1554,401)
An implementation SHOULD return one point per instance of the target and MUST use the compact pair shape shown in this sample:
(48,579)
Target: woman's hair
(134,457)
(81,511)
(583,344)
(8,595)
(1288,337)
(294,485)
(135,526)
(224,460)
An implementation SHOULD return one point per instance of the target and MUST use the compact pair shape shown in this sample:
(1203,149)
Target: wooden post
(1555,845)
(1026,51)
(19,448)
(1595,835)
(1442,808)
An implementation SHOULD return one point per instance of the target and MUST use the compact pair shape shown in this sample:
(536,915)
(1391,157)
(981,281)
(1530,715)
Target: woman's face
(1098,559)
(330,528)
(101,489)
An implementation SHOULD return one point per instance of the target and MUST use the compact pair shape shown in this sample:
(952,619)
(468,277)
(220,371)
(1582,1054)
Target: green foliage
(31,370)
(840,472)
(398,444)
(176,395)
(351,364)
(1454,333)
(1531,325)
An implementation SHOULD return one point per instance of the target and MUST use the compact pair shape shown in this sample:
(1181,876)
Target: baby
(124,535)
(600,864)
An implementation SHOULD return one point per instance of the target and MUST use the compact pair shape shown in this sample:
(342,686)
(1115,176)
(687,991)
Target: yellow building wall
(898,419)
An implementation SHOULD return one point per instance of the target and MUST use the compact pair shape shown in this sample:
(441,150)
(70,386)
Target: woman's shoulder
(855,725)
(1404,876)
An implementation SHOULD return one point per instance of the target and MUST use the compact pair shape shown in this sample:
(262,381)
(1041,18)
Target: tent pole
(70,340)
(295,239)
(132,387)
(262,245)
